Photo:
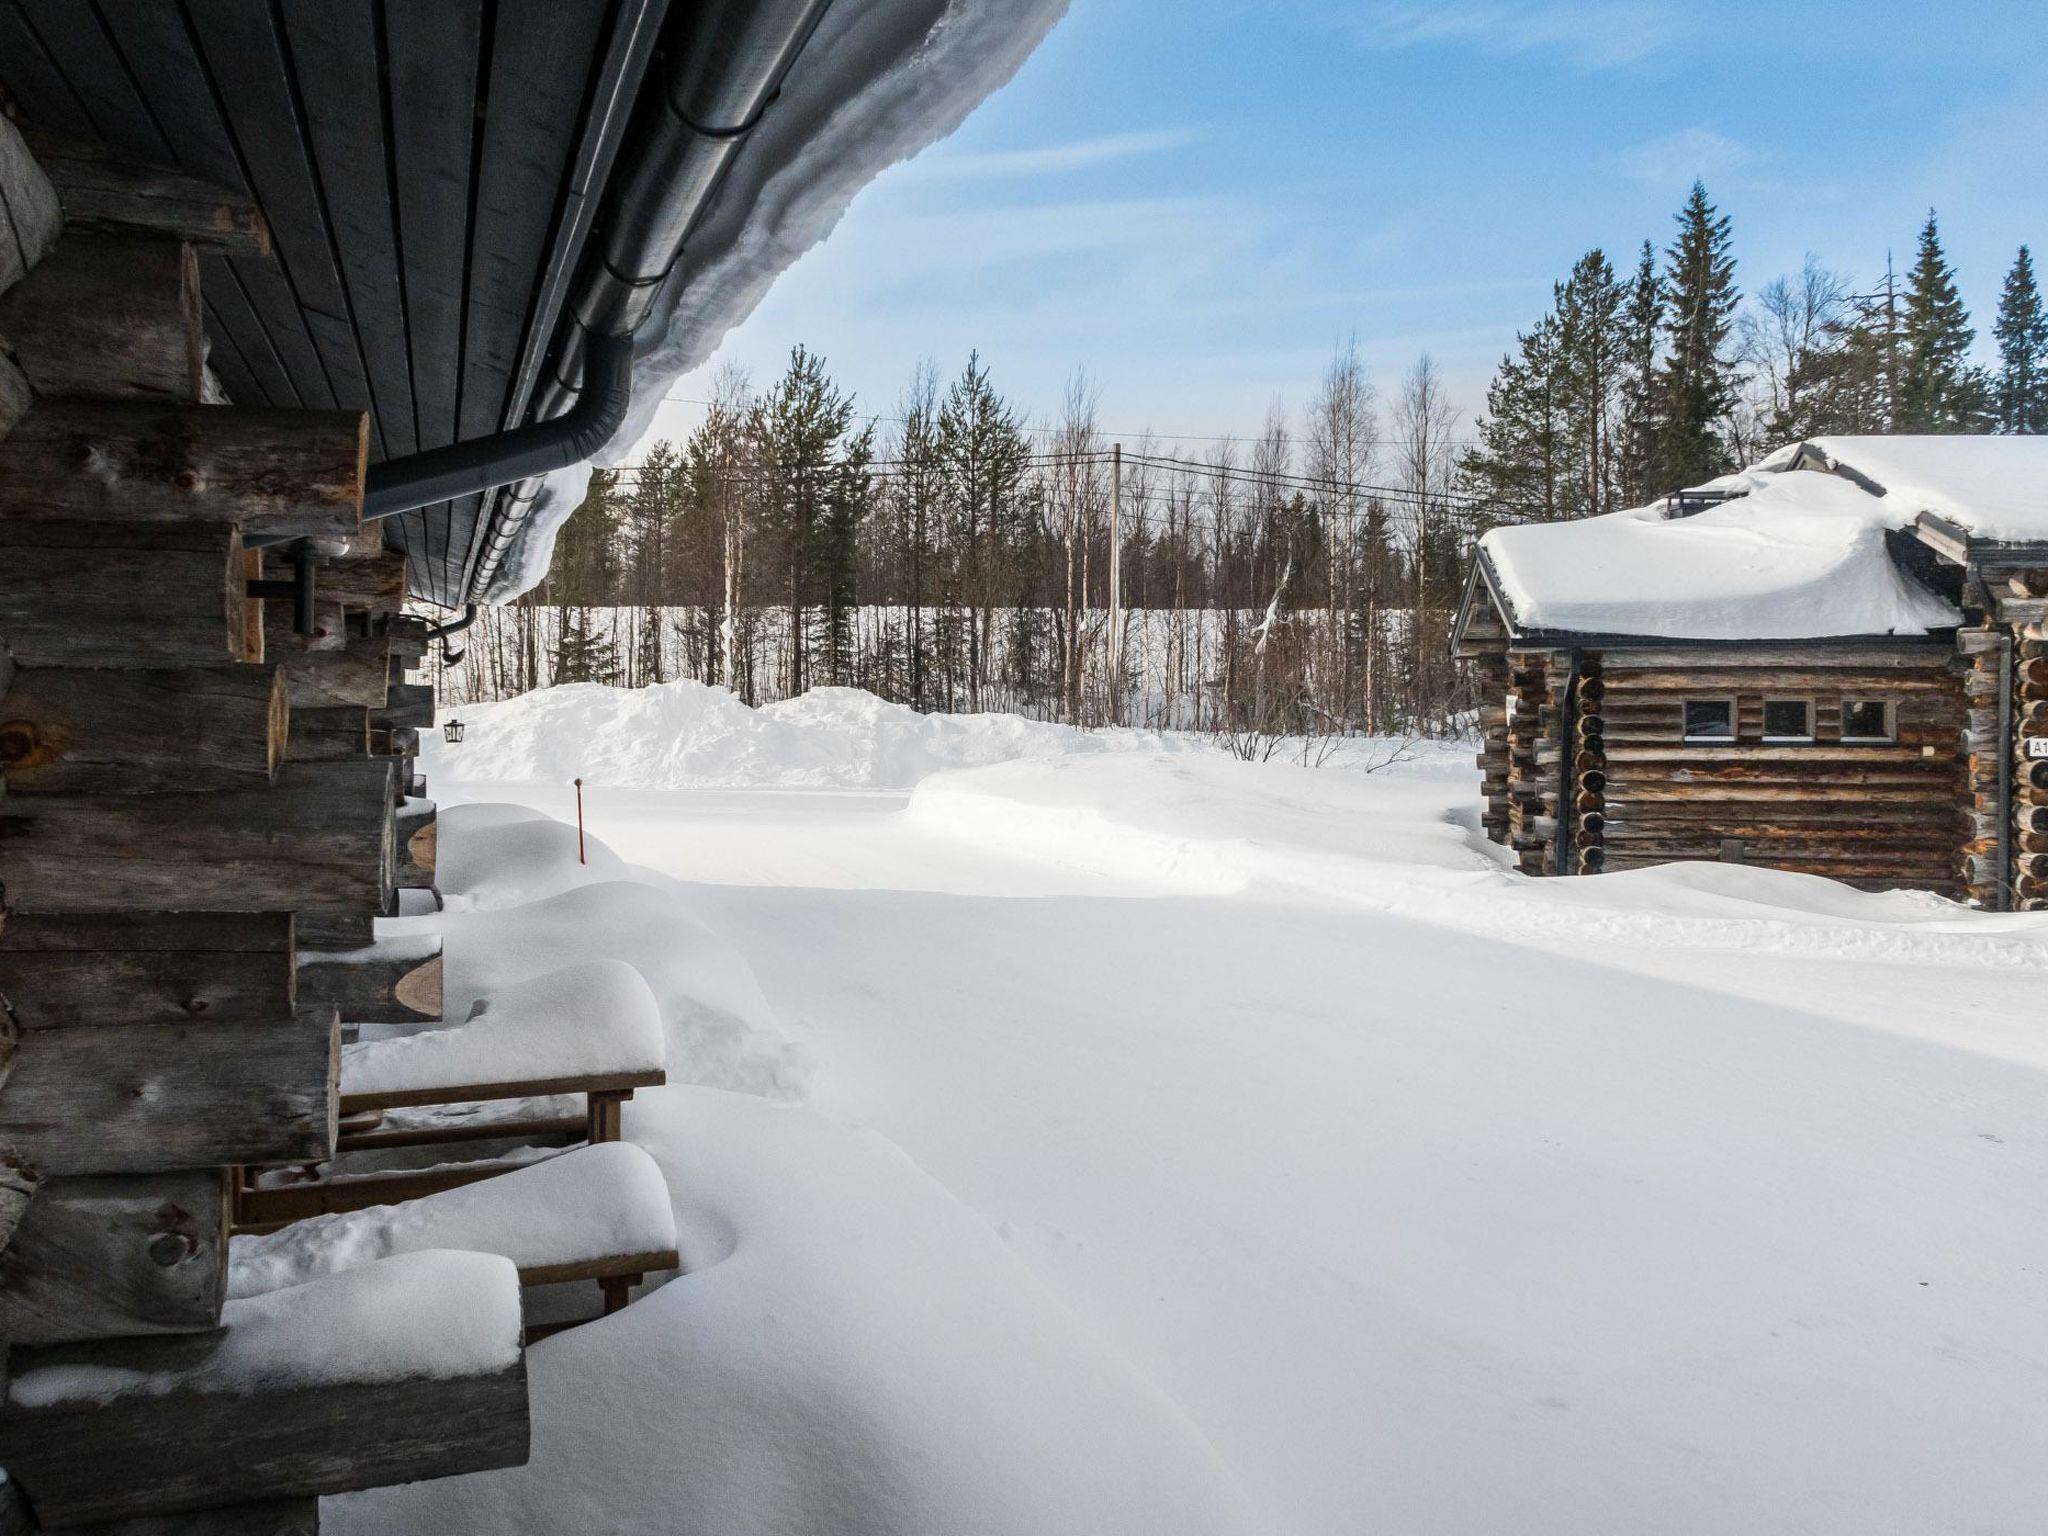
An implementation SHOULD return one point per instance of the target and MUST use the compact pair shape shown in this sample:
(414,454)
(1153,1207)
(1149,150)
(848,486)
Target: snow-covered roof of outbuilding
(1796,555)
(1991,488)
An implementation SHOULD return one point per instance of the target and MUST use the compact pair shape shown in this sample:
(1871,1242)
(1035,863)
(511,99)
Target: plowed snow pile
(685,735)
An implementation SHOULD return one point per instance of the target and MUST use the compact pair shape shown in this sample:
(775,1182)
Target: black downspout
(485,463)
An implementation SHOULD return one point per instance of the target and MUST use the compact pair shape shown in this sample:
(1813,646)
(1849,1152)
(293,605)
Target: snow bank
(429,1314)
(580,1020)
(487,860)
(1993,487)
(1800,555)
(719,1028)
(849,1350)
(684,735)
(588,1203)
(1410,845)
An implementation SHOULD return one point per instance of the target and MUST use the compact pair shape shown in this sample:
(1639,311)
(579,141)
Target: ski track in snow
(1381,1187)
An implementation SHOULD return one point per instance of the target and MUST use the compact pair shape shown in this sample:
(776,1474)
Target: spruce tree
(797,430)
(2022,332)
(1520,470)
(1696,388)
(1592,352)
(1642,326)
(984,455)
(1938,390)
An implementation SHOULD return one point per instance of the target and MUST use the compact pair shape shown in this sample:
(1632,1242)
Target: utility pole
(1116,584)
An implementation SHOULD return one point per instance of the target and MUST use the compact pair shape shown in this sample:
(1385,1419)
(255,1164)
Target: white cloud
(1599,34)
(1048,159)
(1678,159)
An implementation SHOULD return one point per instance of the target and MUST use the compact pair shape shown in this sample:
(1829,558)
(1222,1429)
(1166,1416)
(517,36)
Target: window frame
(1891,720)
(1810,734)
(1684,725)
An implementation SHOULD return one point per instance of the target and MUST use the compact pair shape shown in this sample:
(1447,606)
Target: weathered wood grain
(15,397)
(100,1257)
(157,1453)
(109,318)
(321,837)
(416,844)
(369,988)
(408,706)
(103,192)
(98,594)
(273,472)
(334,734)
(357,672)
(147,968)
(84,730)
(128,1098)
(373,584)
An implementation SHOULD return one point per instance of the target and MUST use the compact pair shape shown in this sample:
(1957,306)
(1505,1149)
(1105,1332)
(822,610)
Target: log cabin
(308,315)
(1834,662)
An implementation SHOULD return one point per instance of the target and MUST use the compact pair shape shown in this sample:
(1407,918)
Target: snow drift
(685,735)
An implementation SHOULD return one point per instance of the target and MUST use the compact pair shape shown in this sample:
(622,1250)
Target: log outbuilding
(1835,662)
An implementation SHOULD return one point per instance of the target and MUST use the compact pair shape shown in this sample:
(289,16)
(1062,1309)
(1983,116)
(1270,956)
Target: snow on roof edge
(876,84)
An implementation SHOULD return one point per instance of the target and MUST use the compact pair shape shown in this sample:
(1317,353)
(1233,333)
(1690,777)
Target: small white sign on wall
(2037,747)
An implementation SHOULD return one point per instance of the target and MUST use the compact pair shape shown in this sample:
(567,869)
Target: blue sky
(1196,201)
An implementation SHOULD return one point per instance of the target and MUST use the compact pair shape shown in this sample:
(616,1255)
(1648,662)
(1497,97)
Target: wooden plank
(605,1267)
(322,837)
(271,1517)
(30,218)
(147,968)
(246,56)
(267,1208)
(335,51)
(132,1254)
(15,397)
(99,594)
(82,730)
(105,192)
(368,987)
(184,1449)
(529,1088)
(109,318)
(126,1098)
(273,472)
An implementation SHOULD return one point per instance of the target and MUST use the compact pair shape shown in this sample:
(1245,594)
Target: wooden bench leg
(606,1119)
(617,1289)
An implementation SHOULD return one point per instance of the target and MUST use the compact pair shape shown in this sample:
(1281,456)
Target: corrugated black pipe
(726,71)
(485,463)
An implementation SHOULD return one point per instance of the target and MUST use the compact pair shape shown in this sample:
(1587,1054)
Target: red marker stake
(579,823)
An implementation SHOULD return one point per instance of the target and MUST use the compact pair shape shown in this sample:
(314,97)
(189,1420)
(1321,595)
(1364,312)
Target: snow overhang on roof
(1970,490)
(1793,556)
(876,83)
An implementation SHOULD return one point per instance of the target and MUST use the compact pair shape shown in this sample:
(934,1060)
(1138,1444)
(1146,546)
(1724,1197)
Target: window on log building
(1788,719)
(1866,720)
(1709,719)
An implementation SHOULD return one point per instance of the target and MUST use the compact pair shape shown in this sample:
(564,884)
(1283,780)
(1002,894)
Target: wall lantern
(453,730)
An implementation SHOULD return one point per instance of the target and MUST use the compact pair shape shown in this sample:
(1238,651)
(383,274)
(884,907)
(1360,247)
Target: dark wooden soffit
(428,173)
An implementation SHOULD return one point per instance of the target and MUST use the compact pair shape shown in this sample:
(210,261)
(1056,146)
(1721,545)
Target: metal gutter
(725,75)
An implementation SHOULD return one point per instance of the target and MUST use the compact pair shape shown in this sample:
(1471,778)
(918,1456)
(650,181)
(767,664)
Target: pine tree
(2022,332)
(1642,325)
(1938,390)
(1696,388)
(984,455)
(847,504)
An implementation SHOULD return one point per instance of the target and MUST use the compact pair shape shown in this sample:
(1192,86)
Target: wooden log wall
(176,868)
(1880,814)
(1490,673)
(1537,686)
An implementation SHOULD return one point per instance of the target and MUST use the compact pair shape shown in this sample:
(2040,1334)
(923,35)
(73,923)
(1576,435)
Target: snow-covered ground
(1111,1136)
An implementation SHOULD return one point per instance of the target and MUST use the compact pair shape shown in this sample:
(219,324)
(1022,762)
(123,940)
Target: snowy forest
(955,554)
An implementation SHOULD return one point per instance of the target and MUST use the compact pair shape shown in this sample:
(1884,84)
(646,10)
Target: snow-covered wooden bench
(405,1368)
(592,1030)
(593,1213)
